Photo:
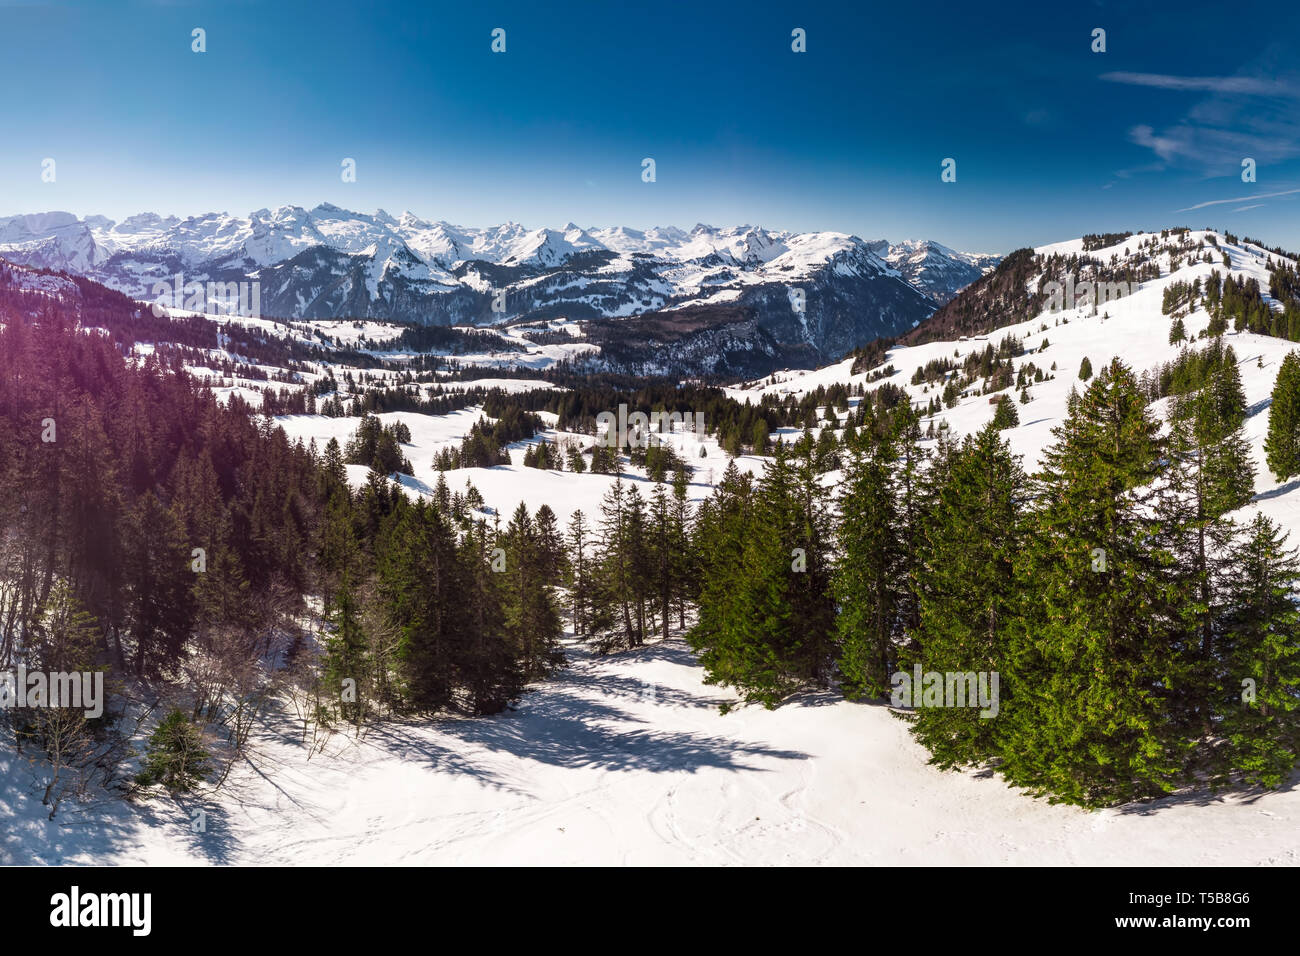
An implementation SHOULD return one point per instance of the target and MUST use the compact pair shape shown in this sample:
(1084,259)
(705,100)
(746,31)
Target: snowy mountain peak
(376,265)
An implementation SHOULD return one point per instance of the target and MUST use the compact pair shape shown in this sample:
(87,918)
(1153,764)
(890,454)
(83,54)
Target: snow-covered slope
(1133,327)
(625,760)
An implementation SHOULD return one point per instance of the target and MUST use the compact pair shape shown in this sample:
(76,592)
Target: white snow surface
(626,760)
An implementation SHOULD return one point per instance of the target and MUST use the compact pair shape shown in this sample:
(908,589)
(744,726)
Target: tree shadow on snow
(587,720)
(568,730)
(1278,491)
(93,833)
(1241,794)
(1258,407)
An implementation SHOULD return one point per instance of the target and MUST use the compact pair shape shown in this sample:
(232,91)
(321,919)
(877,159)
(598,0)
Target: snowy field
(503,487)
(626,760)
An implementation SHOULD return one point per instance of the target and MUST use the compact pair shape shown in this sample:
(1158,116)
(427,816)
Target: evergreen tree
(1098,656)
(577,463)
(333,464)
(776,636)
(175,755)
(914,492)
(345,668)
(578,579)
(159,579)
(1212,475)
(622,567)
(679,544)
(968,594)
(1282,446)
(1260,691)
(550,545)
(719,538)
(532,621)
(661,555)
(489,667)
(1005,414)
(869,575)
(416,564)
(1177,332)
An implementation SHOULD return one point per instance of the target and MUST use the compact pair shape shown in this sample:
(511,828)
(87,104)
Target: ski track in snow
(590,769)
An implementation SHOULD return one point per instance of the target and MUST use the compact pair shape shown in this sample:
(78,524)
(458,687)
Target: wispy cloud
(1244,85)
(1235,199)
(1255,206)
(1254,114)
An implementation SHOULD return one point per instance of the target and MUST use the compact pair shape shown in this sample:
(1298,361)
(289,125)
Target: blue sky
(1051,140)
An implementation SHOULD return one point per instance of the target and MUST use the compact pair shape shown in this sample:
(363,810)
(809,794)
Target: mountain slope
(1013,302)
(328,263)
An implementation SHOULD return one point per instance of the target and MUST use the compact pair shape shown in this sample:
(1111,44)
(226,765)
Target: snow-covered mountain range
(936,270)
(328,262)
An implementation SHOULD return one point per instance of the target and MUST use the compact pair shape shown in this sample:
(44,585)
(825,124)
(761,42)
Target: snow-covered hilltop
(822,292)
(1131,319)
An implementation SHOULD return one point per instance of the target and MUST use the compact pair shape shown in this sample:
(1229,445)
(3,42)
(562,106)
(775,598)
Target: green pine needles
(1141,640)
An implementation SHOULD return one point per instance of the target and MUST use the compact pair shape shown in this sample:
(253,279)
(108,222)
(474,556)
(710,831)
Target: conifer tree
(969,596)
(333,464)
(623,567)
(915,496)
(175,755)
(576,462)
(885,495)
(416,561)
(661,555)
(345,668)
(1212,475)
(488,667)
(1282,446)
(532,620)
(550,545)
(578,577)
(1259,696)
(1099,655)
(719,538)
(636,547)
(1177,332)
(775,634)
(870,569)
(159,580)
(1005,414)
(679,544)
